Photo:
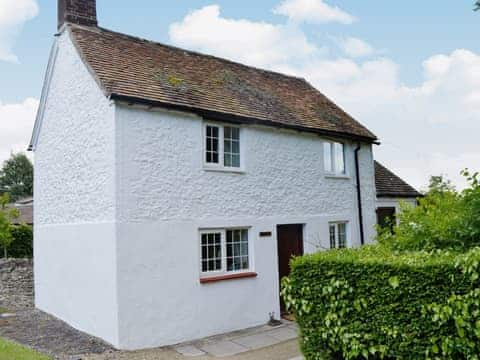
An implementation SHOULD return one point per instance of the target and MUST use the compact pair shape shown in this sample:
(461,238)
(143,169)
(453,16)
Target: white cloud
(253,43)
(428,129)
(355,47)
(313,11)
(16,124)
(13,14)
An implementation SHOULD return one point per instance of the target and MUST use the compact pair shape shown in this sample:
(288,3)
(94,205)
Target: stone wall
(16,284)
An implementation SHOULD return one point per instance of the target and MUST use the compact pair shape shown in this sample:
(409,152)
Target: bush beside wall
(372,303)
(22,245)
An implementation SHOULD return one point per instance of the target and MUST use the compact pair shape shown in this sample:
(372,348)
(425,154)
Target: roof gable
(390,185)
(136,70)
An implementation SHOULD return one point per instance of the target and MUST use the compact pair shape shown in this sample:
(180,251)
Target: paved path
(287,350)
(240,341)
(48,335)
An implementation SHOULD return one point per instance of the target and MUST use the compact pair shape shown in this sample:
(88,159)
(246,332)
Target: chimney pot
(81,12)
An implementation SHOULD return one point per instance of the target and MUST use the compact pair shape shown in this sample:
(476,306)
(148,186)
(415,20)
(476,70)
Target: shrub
(22,245)
(372,303)
(444,219)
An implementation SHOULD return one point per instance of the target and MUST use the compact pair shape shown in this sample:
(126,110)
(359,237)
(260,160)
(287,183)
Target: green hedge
(372,303)
(22,245)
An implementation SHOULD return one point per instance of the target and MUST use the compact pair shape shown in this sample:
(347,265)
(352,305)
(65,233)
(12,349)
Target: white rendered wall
(165,196)
(75,249)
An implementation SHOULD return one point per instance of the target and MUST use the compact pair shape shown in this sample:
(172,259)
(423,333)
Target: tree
(477,5)
(7,215)
(439,184)
(16,177)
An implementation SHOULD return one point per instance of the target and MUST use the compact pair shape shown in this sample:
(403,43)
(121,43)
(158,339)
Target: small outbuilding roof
(140,71)
(390,185)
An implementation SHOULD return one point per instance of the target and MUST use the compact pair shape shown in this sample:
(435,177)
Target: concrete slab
(223,348)
(284,333)
(189,350)
(257,341)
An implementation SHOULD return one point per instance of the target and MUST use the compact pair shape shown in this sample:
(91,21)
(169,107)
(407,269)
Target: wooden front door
(290,243)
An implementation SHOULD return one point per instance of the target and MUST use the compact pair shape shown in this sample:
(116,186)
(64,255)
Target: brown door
(290,243)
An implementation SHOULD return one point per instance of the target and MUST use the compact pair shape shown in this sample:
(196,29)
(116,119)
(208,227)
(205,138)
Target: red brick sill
(212,279)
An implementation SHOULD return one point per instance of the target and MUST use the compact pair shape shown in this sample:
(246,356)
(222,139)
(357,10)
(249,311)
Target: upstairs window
(338,235)
(334,158)
(222,146)
(212,146)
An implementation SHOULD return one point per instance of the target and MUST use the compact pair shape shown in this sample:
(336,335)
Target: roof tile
(390,185)
(131,68)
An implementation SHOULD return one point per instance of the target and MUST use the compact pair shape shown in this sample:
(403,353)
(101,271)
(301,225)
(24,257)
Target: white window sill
(338,176)
(224,169)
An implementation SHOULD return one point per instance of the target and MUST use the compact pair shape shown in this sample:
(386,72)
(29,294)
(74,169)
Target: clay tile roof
(390,185)
(140,71)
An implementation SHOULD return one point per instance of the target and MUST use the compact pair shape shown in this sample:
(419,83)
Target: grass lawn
(11,351)
(3,310)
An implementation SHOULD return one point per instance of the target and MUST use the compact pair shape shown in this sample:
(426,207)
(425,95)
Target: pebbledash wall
(165,196)
(74,235)
(121,194)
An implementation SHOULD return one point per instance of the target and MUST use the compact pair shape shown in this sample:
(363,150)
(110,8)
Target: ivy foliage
(444,219)
(374,303)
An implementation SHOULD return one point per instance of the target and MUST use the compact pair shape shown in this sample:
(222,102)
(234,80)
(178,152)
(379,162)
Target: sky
(408,70)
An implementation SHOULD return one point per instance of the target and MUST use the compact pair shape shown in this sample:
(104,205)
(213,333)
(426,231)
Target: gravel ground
(48,335)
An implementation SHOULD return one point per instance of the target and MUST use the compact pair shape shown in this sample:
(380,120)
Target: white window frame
(220,166)
(223,241)
(336,224)
(333,158)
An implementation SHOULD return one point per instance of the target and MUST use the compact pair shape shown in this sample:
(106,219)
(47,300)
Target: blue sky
(397,66)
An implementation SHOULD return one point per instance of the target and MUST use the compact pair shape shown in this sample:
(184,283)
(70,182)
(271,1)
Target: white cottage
(172,188)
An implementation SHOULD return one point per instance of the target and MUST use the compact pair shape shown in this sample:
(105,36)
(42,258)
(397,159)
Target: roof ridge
(193,52)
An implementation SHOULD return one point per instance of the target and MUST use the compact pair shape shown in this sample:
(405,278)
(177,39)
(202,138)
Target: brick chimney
(81,12)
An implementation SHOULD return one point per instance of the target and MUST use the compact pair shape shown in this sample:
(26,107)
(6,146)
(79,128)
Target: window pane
(211,252)
(228,160)
(237,250)
(332,237)
(212,142)
(231,147)
(339,158)
(235,161)
(327,156)
(342,235)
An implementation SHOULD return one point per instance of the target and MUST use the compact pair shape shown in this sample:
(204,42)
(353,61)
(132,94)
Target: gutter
(359,196)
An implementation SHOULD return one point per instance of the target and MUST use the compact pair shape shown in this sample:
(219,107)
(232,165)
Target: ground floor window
(224,251)
(338,235)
